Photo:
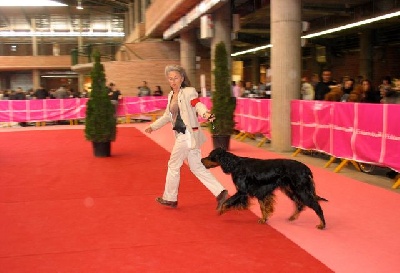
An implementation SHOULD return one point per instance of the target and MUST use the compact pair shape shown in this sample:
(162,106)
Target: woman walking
(182,110)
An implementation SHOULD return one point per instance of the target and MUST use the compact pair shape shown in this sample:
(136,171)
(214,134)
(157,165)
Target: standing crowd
(350,89)
(324,87)
(41,93)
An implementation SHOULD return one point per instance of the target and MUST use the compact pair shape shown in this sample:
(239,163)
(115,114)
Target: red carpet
(362,220)
(62,210)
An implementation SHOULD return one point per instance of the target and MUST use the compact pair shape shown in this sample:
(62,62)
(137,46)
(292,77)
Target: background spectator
(61,93)
(390,94)
(74,93)
(158,91)
(20,95)
(369,94)
(307,90)
(41,93)
(144,90)
(323,87)
(347,88)
(114,94)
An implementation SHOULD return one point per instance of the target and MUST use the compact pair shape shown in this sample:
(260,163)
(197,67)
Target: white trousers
(179,153)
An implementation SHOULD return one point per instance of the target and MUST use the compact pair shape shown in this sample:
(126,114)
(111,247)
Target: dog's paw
(221,211)
(320,226)
(262,221)
(294,216)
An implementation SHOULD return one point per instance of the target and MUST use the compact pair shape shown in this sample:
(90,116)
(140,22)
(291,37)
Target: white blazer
(190,107)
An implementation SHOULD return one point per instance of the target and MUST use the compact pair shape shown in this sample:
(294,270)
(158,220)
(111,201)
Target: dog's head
(214,158)
(220,157)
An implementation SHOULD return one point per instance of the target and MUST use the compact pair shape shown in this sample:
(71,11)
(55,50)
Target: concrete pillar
(255,70)
(143,7)
(80,45)
(222,32)
(130,18)
(80,38)
(188,56)
(81,82)
(137,10)
(35,72)
(36,79)
(127,22)
(366,54)
(285,68)
(34,38)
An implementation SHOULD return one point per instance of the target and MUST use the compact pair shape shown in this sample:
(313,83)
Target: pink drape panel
(67,109)
(357,131)
(139,105)
(42,110)
(253,116)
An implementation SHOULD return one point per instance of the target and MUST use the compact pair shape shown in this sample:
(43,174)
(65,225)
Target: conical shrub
(100,123)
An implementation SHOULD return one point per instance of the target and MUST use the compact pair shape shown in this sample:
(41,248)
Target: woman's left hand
(210,117)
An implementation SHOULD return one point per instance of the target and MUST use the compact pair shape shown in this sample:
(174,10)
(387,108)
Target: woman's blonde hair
(180,70)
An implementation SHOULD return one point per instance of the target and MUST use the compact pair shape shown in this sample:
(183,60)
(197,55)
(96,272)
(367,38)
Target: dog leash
(212,122)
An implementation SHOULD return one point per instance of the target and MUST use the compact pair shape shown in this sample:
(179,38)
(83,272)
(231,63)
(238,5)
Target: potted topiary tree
(223,104)
(100,123)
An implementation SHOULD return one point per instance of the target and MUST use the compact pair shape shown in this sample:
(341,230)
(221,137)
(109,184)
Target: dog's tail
(319,198)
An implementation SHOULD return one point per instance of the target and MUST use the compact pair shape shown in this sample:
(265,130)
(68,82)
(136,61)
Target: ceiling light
(251,50)
(59,34)
(352,25)
(328,31)
(30,3)
(190,17)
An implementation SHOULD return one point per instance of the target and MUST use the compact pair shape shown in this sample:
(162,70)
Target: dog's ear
(218,153)
(228,162)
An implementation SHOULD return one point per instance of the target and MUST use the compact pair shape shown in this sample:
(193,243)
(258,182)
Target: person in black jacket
(323,87)
(20,95)
(115,95)
(41,93)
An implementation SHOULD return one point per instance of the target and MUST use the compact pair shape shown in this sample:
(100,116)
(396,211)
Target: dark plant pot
(221,141)
(102,149)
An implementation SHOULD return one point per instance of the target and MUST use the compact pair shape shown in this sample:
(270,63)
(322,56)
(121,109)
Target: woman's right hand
(148,130)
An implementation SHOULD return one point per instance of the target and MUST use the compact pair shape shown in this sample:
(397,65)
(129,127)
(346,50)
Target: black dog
(259,178)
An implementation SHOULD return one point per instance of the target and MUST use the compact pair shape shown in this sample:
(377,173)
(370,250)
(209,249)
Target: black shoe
(221,198)
(172,204)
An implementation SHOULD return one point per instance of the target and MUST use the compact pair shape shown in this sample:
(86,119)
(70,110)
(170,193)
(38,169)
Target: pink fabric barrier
(42,110)
(67,109)
(357,131)
(253,115)
(139,105)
